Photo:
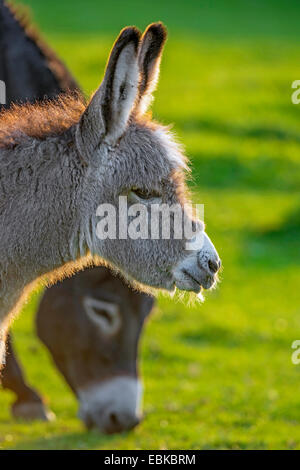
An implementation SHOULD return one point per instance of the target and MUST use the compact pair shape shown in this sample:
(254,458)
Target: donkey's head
(129,155)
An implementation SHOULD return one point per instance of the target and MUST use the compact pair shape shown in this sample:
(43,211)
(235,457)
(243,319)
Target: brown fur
(61,73)
(40,120)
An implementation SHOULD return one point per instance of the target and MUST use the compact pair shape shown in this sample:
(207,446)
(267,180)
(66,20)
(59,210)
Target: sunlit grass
(218,374)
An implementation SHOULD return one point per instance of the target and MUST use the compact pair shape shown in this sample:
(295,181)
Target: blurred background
(217,374)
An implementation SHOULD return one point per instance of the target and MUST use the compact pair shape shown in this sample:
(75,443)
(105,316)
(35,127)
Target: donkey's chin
(165,283)
(187,280)
(189,286)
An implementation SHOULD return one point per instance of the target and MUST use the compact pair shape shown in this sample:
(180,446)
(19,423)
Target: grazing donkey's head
(129,155)
(92,324)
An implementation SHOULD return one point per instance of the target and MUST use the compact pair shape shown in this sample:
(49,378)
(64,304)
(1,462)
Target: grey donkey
(59,162)
(100,359)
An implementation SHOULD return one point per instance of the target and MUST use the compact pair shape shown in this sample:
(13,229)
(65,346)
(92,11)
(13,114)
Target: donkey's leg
(7,300)
(2,352)
(2,348)
(28,405)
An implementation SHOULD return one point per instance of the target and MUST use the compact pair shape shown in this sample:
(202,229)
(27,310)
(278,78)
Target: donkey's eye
(144,193)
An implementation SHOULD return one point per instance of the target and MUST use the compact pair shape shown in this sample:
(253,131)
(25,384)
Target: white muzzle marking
(121,396)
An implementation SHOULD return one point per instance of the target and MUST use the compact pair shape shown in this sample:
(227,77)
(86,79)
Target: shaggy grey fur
(58,162)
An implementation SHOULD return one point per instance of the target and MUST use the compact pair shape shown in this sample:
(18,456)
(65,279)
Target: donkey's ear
(150,52)
(107,114)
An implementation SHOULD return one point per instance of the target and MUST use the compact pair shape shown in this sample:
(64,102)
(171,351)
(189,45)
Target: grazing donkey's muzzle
(112,406)
(200,266)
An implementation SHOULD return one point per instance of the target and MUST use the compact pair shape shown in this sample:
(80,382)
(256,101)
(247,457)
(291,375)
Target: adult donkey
(91,325)
(100,361)
(60,161)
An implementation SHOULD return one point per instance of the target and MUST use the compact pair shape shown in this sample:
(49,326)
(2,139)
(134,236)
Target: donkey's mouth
(193,281)
(197,287)
(186,281)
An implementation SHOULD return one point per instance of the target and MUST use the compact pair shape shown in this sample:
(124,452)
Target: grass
(217,375)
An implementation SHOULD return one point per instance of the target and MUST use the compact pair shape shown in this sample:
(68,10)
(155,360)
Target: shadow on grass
(81,440)
(275,247)
(228,171)
(260,132)
(289,229)
(212,336)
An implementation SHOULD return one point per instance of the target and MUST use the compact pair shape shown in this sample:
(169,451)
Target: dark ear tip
(159,30)
(129,34)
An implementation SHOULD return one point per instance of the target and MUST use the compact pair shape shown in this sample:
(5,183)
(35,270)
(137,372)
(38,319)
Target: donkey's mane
(40,120)
(22,15)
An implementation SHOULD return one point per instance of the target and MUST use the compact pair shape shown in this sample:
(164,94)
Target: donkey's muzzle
(112,406)
(200,266)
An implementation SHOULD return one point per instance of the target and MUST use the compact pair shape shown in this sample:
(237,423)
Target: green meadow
(218,374)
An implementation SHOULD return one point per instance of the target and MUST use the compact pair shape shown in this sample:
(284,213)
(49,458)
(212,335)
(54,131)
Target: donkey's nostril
(214,265)
(114,419)
(118,422)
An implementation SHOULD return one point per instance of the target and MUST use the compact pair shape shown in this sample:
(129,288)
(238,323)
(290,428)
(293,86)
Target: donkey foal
(60,161)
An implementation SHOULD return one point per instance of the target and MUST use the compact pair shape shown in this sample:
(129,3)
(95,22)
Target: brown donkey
(91,325)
